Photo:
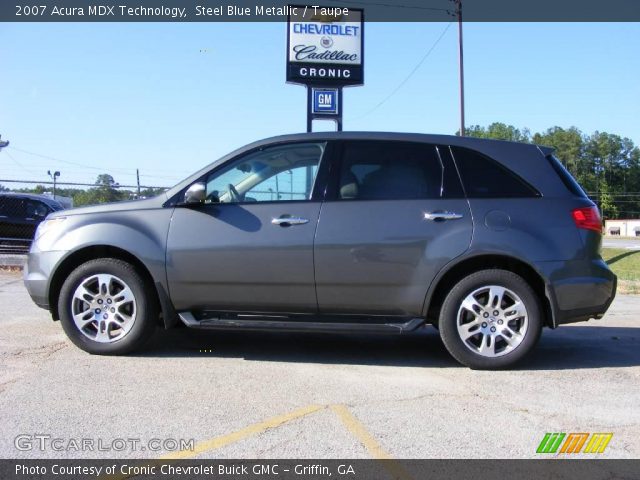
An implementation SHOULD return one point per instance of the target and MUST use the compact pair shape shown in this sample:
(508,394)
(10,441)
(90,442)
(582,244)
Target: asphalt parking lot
(259,395)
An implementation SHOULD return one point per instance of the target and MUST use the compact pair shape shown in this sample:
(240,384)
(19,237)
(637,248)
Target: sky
(169,98)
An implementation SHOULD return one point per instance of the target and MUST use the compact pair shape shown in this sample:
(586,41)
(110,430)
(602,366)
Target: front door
(249,247)
(395,217)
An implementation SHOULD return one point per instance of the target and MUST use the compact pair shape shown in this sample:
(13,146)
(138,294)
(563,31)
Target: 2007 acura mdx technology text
(337,232)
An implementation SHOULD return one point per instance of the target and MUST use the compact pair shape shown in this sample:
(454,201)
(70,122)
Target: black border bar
(566,469)
(375,10)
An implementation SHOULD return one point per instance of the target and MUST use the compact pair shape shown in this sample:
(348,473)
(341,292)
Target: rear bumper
(580,290)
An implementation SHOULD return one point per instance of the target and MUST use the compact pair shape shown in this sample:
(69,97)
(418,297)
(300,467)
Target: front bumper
(37,275)
(579,290)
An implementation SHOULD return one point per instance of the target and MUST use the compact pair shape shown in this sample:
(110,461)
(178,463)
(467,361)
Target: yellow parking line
(219,442)
(370,443)
(357,429)
(254,429)
(360,432)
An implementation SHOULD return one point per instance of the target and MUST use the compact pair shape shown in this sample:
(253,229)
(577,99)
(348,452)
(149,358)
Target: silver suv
(488,241)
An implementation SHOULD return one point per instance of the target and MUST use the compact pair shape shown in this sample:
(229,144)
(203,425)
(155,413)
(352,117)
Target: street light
(54,176)
(458,13)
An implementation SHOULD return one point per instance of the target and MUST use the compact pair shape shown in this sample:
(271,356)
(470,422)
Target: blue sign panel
(324,101)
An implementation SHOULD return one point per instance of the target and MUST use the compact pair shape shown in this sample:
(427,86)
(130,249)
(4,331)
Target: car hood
(146,204)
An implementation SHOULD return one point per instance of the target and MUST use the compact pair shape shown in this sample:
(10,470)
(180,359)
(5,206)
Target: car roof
(32,196)
(373,135)
(454,140)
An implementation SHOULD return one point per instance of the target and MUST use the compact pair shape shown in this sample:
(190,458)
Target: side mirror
(196,193)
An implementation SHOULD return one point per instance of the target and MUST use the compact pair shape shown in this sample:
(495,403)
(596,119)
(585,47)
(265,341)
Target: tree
(606,203)
(606,165)
(105,191)
(499,131)
(150,192)
(105,180)
(570,145)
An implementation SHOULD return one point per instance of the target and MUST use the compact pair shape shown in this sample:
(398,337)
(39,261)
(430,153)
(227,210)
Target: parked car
(20,215)
(489,241)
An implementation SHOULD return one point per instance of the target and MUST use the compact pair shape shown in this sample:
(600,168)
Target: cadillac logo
(326,42)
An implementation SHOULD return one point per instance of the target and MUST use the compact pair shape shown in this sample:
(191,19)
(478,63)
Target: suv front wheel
(491,319)
(106,307)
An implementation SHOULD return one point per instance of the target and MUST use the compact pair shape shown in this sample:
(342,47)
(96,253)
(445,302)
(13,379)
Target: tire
(115,313)
(478,338)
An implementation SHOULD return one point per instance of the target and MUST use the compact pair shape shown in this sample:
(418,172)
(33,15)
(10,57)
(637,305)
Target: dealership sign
(325,46)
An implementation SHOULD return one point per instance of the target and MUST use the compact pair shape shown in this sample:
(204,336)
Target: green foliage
(626,265)
(607,206)
(150,192)
(499,131)
(105,191)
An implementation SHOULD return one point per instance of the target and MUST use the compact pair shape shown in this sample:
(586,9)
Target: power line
(19,164)
(75,184)
(387,5)
(119,170)
(76,164)
(406,79)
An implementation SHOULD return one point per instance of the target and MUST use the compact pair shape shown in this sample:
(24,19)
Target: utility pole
(54,176)
(458,12)
(138,181)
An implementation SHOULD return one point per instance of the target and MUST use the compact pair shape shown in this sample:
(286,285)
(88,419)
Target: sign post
(325,52)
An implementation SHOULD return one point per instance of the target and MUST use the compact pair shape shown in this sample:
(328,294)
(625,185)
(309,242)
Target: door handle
(285,221)
(436,216)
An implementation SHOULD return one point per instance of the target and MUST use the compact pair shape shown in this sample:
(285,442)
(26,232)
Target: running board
(298,326)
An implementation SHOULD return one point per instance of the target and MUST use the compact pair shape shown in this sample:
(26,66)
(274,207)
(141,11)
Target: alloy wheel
(103,308)
(492,321)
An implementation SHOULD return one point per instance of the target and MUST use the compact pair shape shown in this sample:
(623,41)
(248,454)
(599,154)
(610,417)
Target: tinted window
(278,173)
(483,177)
(566,177)
(372,170)
(36,209)
(12,207)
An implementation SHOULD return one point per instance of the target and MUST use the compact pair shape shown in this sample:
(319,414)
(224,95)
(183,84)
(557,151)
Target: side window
(483,177)
(572,185)
(12,207)
(278,173)
(388,170)
(36,209)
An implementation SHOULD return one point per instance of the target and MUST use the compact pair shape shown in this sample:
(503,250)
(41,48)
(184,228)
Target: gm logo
(574,443)
(325,101)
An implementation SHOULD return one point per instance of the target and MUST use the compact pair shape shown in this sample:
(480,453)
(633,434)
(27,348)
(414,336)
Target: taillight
(587,217)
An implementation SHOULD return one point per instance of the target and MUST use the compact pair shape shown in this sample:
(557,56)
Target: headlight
(47,225)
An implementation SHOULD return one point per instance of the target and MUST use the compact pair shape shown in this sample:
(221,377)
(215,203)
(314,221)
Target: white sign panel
(325,48)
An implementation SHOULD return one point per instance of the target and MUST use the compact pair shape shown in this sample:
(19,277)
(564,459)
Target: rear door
(395,215)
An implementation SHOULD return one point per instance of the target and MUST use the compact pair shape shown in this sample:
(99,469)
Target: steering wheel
(233,194)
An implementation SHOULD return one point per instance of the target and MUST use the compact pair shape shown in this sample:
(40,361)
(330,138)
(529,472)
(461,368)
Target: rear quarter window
(483,177)
(572,185)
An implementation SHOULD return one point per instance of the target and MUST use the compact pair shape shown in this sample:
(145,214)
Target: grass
(626,265)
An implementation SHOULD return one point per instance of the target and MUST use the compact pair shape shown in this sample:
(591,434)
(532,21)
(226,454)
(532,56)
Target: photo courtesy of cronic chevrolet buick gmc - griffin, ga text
(488,241)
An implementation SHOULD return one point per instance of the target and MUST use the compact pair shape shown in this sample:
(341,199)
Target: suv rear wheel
(490,319)
(106,308)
